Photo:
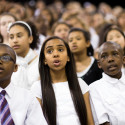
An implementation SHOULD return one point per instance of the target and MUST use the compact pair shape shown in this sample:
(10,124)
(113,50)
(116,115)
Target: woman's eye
(19,36)
(115,54)
(11,37)
(78,38)
(103,57)
(49,51)
(70,40)
(60,50)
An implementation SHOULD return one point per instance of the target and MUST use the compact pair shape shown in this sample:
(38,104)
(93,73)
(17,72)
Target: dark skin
(7,68)
(111,59)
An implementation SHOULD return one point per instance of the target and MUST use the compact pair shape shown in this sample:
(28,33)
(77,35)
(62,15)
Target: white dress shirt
(24,107)
(66,113)
(107,97)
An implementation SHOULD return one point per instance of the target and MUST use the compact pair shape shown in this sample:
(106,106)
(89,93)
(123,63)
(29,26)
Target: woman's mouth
(74,47)
(16,47)
(56,63)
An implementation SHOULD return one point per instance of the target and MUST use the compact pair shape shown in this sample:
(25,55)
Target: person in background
(21,39)
(86,64)
(5,19)
(61,30)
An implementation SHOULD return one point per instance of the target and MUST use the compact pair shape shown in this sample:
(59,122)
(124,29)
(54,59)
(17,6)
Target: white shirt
(107,97)
(65,108)
(24,107)
(27,72)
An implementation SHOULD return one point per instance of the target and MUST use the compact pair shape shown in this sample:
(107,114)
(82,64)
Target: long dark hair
(48,96)
(86,34)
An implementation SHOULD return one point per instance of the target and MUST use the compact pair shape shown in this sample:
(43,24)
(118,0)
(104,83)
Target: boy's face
(111,60)
(7,66)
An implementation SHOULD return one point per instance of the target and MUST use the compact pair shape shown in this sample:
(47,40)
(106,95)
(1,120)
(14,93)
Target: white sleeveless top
(65,108)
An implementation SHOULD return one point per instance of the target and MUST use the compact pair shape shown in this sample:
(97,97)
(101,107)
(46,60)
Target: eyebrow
(17,33)
(52,46)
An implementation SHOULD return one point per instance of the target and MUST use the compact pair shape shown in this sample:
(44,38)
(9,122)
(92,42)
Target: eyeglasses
(6,58)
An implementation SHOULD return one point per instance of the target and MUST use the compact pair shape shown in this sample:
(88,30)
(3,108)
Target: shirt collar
(113,80)
(9,89)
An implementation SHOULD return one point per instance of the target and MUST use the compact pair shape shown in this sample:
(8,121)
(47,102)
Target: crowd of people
(62,64)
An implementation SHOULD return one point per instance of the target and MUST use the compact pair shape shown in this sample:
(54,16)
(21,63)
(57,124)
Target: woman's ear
(68,59)
(88,44)
(45,62)
(30,39)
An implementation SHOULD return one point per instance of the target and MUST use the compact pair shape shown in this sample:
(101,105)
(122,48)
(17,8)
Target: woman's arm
(88,107)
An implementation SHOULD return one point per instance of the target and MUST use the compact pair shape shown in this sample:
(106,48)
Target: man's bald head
(109,44)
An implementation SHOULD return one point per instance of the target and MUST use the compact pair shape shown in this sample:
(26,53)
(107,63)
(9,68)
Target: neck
(58,76)
(82,61)
(4,84)
(81,57)
(117,76)
(5,41)
(23,54)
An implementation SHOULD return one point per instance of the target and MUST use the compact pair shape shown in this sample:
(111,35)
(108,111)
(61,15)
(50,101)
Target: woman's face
(116,36)
(62,31)
(19,40)
(56,55)
(77,42)
(4,21)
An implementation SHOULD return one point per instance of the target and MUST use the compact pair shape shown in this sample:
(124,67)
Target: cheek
(121,42)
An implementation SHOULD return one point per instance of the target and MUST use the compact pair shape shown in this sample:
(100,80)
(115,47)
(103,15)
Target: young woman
(21,40)
(61,30)
(64,97)
(115,34)
(5,19)
(86,65)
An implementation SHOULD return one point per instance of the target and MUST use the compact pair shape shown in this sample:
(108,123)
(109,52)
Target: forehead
(16,29)
(114,31)
(109,48)
(76,33)
(54,42)
(5,50)
(6,17)
(62,25)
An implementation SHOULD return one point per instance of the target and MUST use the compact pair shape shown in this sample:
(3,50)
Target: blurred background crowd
(44,16)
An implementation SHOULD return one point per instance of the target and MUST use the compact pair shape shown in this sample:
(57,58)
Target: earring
(45,63)
(68,60)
